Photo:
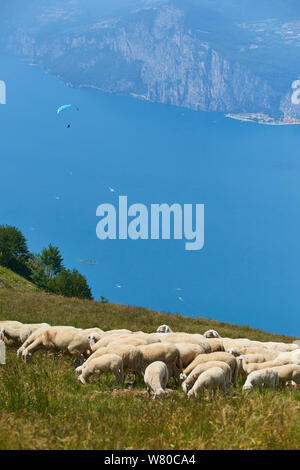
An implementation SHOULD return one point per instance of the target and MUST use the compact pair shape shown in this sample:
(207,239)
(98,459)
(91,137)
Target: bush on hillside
(70,284)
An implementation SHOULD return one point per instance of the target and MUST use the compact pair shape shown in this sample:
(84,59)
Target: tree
(13,246)
(37,269)
(52,260)
(70,284)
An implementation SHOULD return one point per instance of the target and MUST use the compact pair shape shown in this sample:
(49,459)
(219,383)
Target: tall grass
(43,406)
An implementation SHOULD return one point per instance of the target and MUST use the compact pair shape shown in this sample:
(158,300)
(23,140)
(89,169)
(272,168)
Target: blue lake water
(53,179)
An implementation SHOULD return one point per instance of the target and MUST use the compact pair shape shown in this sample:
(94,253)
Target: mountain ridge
(187,56)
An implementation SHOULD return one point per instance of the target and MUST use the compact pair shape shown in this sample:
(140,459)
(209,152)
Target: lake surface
(53,179)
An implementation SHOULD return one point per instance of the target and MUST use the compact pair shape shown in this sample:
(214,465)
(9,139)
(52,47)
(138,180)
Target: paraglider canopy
(66,106)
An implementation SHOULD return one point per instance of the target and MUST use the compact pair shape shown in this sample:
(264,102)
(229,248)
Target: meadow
(43,406)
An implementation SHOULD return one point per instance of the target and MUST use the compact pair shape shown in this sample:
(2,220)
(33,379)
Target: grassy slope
(42,406)
(30,306)
(12,281)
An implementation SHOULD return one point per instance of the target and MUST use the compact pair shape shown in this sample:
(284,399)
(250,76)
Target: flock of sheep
(197,362)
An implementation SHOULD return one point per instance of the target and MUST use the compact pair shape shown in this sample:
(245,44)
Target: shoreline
(263,119)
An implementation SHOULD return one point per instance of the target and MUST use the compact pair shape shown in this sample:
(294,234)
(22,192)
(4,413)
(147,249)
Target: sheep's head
(159,393)
(19,352)
(163,329)
(211,334)
(247,387)
(233,351)
(92,339)
(182,377)
(184,387)
(191,393)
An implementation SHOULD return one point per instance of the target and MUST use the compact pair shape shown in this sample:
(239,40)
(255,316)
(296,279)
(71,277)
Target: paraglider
(66,106)
(63,108)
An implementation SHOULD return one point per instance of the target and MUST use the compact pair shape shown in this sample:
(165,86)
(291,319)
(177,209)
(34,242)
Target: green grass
(10,280)
(29,306)
(43,406)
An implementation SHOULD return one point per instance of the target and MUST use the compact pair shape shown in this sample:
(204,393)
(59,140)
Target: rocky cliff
(153,53)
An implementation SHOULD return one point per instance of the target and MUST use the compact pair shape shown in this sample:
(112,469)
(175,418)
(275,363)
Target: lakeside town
(261,118)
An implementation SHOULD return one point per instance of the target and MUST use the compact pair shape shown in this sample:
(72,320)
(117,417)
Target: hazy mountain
(211,55)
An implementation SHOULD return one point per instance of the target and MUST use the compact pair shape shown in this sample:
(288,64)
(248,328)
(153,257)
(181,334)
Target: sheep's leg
(24,346)
(82,379)
(28,352)
(117,374)
(79,369)
(78,356)
(176,372)
(85,375)
(119,378)
(294,384)
(272,385)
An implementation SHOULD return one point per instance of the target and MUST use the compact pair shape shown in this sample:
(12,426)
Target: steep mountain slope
(190,53)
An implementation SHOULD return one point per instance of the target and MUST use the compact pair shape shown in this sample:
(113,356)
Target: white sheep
(216,356)
(250,367)
(31,339)
(167,353)
(262,377)
(156,378)
(211,334)
(216,344)
(268,354)
(110,338)
(288,373)
(292,357)
(212,379)
(259,358)
(193,376)
(281,347)
(164,329)
(11,323)
(64,339)
(240,342)
(186,338)
(19,335)
(108,363)
(188,352)
(131,356)
(94,355)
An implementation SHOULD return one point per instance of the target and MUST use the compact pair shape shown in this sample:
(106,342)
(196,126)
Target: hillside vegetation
(33,306)
(12,281)
(43,406)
